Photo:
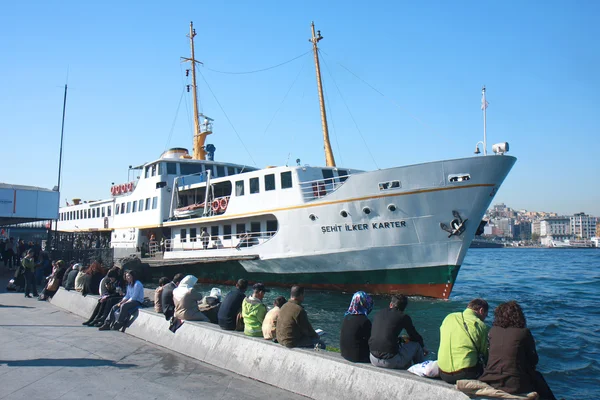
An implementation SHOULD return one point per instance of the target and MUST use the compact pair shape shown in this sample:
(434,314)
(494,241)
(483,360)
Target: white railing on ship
(316,189)
(237,241)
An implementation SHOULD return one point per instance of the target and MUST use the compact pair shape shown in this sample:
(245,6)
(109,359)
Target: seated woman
(108,298)
(95,275)
(356,329)
(186,301)
(513,357)
(269,326)
(81,278)
(128,305)
(54,280)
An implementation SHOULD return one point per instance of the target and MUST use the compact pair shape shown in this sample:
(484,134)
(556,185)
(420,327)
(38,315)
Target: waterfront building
(555,229)
(503,227)
(536,228)
(522,230)
(583,226)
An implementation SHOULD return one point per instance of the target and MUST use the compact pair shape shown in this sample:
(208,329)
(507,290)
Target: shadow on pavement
(65,362)
(7,306)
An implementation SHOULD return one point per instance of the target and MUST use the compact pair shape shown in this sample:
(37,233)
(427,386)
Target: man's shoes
(87,323)
(28,296)
(104,327)
(97,324)
(116,326)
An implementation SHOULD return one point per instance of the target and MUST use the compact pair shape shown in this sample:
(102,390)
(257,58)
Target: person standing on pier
(384,346)
(28,264)
(463,343)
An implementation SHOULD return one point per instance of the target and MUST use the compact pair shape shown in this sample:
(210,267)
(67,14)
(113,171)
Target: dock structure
(314,374)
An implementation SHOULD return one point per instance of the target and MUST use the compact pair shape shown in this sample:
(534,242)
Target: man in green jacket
(293,327)
(463,343)
(28,264)
(254,311)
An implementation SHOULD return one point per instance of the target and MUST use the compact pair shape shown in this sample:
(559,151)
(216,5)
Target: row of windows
(269,183)
(226,231)
(94,212)
(137,206)
(171,168)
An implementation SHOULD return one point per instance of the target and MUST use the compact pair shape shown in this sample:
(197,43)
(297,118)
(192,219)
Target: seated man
(254,311)
(384,346)
(463,340)
(293,327)
(166,297)
(232,306)
(210,305)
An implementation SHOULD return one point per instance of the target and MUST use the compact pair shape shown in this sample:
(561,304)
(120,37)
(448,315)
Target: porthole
(344,213)
(312,217)
(392,207)
(366,210)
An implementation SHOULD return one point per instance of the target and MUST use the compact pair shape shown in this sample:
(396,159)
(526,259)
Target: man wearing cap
(293,327)
(232,305)
(29,267)
(254,311)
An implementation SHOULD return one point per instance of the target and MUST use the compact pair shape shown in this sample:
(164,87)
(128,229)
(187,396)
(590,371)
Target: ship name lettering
(388,225)
(331,228)
(363,227)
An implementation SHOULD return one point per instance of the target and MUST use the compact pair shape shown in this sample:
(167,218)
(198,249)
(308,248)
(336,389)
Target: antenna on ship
(204,129)
(329,160)
(484,106)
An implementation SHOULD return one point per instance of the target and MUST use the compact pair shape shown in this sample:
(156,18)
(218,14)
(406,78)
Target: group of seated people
(286,323)
(504,356)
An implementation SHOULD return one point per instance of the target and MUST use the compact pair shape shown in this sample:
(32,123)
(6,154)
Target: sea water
(559,290)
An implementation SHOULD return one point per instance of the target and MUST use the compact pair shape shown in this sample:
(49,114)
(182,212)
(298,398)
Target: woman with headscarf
(356,329)
(186,301)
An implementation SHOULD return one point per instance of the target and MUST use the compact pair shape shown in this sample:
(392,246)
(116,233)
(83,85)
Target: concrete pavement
(46,353)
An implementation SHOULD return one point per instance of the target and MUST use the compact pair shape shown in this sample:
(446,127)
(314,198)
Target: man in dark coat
(167,296)
(293,327)
(232,305)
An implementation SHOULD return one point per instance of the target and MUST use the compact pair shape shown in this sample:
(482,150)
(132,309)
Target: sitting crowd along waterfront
(478,360)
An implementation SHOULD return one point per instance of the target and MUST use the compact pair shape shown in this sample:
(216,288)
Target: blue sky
(538,60)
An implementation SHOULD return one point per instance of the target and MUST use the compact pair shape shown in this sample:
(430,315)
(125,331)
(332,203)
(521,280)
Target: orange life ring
(130,186)
(223,203)
(215,205)
(124,188)
(112,190)
(117,189)
(322,191)
(315,189)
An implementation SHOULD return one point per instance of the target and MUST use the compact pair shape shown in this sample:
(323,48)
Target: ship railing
(312,190)
(153,248)
(233,241)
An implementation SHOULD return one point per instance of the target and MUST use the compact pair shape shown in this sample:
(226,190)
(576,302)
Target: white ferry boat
(398,230)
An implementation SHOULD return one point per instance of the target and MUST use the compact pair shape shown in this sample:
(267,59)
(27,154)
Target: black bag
(169,311)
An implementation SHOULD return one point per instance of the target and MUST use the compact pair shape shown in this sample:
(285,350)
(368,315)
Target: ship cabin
(243,209)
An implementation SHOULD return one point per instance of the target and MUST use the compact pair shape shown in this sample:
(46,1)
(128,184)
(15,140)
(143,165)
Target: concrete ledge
(318,375)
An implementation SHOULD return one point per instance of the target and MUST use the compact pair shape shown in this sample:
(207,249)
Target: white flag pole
(484,107)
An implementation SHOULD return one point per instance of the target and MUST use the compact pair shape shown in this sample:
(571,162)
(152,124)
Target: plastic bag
(427,368)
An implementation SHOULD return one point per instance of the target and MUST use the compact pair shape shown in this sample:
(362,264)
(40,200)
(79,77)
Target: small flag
(484,103)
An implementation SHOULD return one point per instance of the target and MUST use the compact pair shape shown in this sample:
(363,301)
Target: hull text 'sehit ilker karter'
(397,230)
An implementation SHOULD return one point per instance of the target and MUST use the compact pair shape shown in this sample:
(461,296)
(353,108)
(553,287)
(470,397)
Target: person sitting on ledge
(81,278)
(158,294)
(210,305)
(356,329)
(463,343)
(384,346)
(54,280)
(95,274)
(167,296)
(512,356)
(254,311)
(127,306)
(232,306)
(269,326)
(70,275)
(186,300)
(293,327)
(107,290)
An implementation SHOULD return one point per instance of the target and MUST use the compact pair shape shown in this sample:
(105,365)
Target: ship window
(103,212)
(171,168)
(214,232)
(286,180)
(254,185)
(189,169)
(327,173)
(134,207)
(154,202)
(239,188)
(226,232)
(147,203)
(183,234)
(239,229)
(220,170)
(108,211)
(117,209)
(390,185)
(192,234)
(255,227)
(147,172)
(153,171)
(140,205)
(270,182)
(77,214)
(342,174)
(271,227)
(230,171)
(128,207)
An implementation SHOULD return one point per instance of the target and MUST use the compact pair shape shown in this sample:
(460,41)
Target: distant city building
(598,229)
(535,228)
(555,229)
(583,226)
(522,230)
(503,227)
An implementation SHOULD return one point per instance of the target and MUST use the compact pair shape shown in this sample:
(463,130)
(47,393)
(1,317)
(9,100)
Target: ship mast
(200,130)
(329,160)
